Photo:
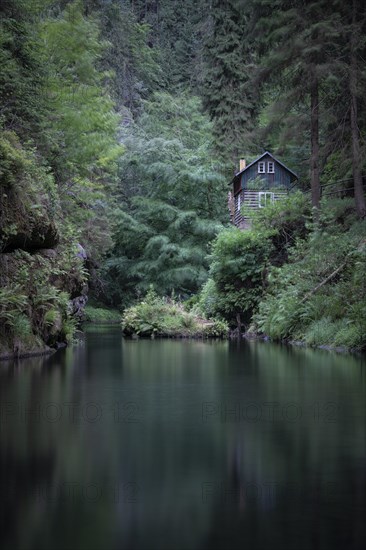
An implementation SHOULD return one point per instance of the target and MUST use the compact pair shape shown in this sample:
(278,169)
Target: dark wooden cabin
(263,181)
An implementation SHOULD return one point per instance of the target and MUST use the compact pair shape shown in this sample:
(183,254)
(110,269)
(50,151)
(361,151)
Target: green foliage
(287,220)
(58,151)
(22,73)
(228,96)
(33,311)
(293,209)
(131,62)
(158,245)
(335,313)
(209,299)
(101,315)
(169,157)
(84,125)
(238,263)
(135,179)
(178,29)
(155,316)
(82,140)
(28,195)
(172,201)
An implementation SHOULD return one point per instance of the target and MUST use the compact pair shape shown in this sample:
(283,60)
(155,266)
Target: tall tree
(82,146)
(171,197)
(132,63)
(22,74)
(356,44)
(178,28)
(299,40)
(228,96)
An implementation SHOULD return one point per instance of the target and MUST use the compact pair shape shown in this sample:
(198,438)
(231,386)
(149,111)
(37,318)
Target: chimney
(242,164)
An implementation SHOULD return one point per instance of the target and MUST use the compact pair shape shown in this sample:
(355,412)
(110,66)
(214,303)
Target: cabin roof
(258,159)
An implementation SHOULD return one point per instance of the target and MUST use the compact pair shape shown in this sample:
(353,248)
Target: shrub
(156,316)
(319,295)
(208,302)
(239,259)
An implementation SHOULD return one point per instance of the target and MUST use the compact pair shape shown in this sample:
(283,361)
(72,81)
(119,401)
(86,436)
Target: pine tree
(132,63)
(356,56)
(22,74)
(177,31)
(228,96)
(299,42)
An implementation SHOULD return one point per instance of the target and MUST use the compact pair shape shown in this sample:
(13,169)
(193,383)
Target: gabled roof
(258,159)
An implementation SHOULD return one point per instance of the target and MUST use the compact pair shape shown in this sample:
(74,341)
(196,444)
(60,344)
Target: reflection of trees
(313,466)
(26,464)
(170,453)
(20,482)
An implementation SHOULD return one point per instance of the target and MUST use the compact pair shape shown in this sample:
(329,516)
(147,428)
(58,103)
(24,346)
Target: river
(164,444)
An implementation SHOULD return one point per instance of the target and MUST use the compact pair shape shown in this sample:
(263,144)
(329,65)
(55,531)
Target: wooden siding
(281,177)
(249,201)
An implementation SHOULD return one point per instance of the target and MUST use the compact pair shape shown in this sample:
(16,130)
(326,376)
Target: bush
(288,221)
(37,288)
(156,316)
(334,313)
(28,197)
(239,260)
(208,302)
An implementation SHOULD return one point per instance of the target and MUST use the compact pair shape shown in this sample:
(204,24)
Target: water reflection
(179,444)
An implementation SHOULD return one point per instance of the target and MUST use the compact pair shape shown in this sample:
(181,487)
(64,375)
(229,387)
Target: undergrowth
(319,295)
(156,316)
(98,314)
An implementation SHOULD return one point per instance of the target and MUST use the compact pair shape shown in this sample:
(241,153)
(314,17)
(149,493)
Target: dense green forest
(121,126)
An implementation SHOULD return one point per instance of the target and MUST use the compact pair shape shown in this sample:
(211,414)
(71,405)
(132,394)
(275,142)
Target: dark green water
(183,445)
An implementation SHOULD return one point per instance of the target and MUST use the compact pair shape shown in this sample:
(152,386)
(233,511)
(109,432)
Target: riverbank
(301,344)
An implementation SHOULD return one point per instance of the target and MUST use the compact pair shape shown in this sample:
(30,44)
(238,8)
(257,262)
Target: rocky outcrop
(43,286)
(43,235)
(28,199)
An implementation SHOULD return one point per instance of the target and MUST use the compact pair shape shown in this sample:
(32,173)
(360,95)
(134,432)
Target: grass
(101,315)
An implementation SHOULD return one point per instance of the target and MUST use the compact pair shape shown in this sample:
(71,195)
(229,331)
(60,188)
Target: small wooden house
(263,181)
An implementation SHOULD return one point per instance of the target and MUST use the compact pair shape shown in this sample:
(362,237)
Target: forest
(121,126)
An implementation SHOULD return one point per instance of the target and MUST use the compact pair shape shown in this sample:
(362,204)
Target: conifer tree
(228,96)
(299,42)
(356,76)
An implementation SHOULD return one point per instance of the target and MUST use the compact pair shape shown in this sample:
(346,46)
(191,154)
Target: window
(270,167)
(239,202)
(265,198)
(261,167)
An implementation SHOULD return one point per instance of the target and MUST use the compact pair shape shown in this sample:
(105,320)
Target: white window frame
(270,167)
(267,196)
(261,167)
(239,202)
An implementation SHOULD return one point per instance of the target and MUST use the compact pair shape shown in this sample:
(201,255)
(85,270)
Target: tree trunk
(356,150)
(314,158)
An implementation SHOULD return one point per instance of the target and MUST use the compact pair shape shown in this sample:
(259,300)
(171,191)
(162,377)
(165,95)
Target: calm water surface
(120,444)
